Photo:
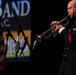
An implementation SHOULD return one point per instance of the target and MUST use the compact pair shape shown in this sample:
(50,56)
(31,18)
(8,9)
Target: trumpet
(47,31)
(38,37)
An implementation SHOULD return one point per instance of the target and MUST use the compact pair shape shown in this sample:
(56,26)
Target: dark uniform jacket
(68,66)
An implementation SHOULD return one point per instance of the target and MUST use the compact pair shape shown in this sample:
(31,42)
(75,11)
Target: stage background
(46,58)
(15,20)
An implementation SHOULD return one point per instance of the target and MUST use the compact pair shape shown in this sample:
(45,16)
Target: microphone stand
(7,35)
(5,49)
(17,42)
(17,49)
(25,38)
(21,30)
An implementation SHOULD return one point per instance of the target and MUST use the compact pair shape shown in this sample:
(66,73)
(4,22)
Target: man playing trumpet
(68,66)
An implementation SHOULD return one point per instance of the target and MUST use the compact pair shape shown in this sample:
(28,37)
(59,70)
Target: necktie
(69,37)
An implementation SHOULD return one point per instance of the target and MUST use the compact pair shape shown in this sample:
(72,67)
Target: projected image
(12,47)
(16,25)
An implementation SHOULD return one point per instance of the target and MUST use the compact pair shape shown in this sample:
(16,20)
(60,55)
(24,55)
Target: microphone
(17,47)
(35,43)
(23,46)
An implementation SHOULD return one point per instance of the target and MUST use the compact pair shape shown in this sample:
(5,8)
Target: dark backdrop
(46,58)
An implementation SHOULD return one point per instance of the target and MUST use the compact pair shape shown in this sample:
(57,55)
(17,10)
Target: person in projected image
(68,65)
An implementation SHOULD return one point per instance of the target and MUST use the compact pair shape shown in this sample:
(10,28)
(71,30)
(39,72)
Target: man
(68,66)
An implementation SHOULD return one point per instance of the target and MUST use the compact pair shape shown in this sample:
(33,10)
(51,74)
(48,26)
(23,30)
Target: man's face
(71,9)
